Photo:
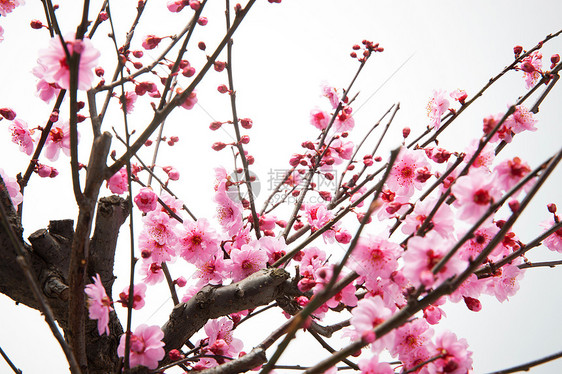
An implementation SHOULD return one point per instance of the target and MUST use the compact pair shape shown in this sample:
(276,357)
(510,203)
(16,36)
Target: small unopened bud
(202,46)
(250,160)
(146,253)
(194,4)
(7,113)
(188,72)
(138,54)
(472,304)
(219,66)
(405,132)
(54,117)
(36,24)
(244,139)
(217,146)
(554,59)
(222,88)
(103,16)
(551,208)
(517,50)
(215,125)
(325,195)
(175,355)
(527,67)
(246,123)
(181,282)
(514,205)
(148,143)
(80,118)
(202,21)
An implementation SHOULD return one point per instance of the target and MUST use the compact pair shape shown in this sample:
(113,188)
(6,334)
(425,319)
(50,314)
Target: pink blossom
(275,247)
(504,132)
(13,188)
(373,366)
(423,254)
(221,329)
(522,119)
(344,121)
(375,257)
(436,107)
(554,241)
(433,314)
(314,257)
(410,337)
(45,171)
(474,194)
(152,272)
(456,358)
(317,215)
(229,213)
(346,296)
(130,99)
(7,6)
(480,239)
(58,138)
(157,251)
(56,66)
(332,95)
(175,6)
(198,242)
(1,34)
(247,260)
(99,305)
(442,222)
(459,95)
(146,346)
(139,291)
(22,136)
(505,282)
(319,119)
(214,271)
(403,176)
(484,158)
(369,313)
(118,182)
(190,101)
(510,172)
(531,67)
(171,202)
(472,287)
(151,42)
(146,200)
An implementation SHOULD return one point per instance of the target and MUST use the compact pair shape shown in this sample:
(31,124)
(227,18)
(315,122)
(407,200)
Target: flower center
(482,197)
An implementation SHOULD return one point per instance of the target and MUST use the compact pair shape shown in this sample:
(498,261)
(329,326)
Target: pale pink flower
(472,287)
(146,347)
(130,99)
(504,132)
(531,67)
(56,65)
(7,6)
(456,358)
(139,291)
(198,242)
(410,337)
(510,172)
(474,194)
(480,239)
(554,241)
(221,329)
(319,119)
(392,205)
(405,172)
(346,296)
(160,227)
(423,254)
(369,313)
(13,188)
(343,149)
(229,213)
(45,90)
(436,107)
(151,42)
(146,200)
(214,271)
(267,222)
(99,305)
(157,251)
(317,215)
(522,119)
(247,260)
(459,95)
(171,202)
(505,282)
(484,158)
(190,101)
(152,272)
(275,247)
(442,222)
(344,121)
(373,366)
(332,95)
(118,182)
(58,138)
(375,257)
(22,136)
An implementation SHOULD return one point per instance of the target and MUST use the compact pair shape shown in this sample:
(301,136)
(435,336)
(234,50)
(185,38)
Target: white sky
(282,54)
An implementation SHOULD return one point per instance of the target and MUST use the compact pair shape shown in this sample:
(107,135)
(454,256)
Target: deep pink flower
(56,66)
(505,283)
(531,67)
(522,119)
(436,107)
(151,42)
(99,305)
(319,119)
(7,6)
(247,260)
(22,136)
(146,200)
(118,182)
(221,329)
(317,215)
(146,347)
(554,241)
(152,272)
(198,242)
(410,337)
(229,213)
(402,178)
(456,358)
(375,257)
(510,172)
(190,101)
(59,138)
(214,271)
(274,247)
(475,193)
(13,188)
(139,291)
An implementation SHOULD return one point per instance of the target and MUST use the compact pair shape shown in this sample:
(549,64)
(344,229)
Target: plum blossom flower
(13,188)
(484,158)
(7,6)
(118,182)
(346,296)
(198,242)
(229,213)
(22,136)
(436,107)
(319,119)
(505,282)
(214,271)
(275,247)
(442,222)
(190,101)
(59,138)
(531,67)
(410,337)
(459,95)
(151,42)
(57,70)
(344,121)
(317,215)
(129,101)
(554,241)
(220,331)
(45,90)
(456,358)
(99,305)
(510,172)
(146,347)
(152,272)
(404,174)
(247,260)
(139,291)
(331,94)
(522,119)
(369,313)
(373,366)
(375,257)
(146,200)
(474,193)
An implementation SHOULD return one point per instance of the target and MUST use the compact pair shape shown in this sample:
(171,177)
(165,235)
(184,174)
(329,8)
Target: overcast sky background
(283,52)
